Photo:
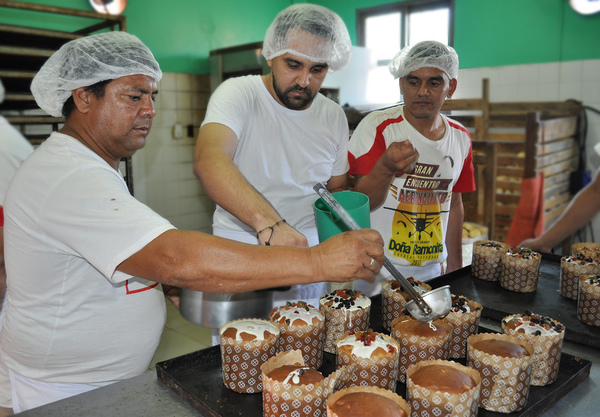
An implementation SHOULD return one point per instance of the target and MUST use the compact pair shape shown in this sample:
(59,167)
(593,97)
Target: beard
(290,101)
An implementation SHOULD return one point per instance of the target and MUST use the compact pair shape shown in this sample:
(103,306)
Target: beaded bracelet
(268,242)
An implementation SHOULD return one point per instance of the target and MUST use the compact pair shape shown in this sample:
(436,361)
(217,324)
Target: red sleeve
(365,163)
(466,180)
(1,216)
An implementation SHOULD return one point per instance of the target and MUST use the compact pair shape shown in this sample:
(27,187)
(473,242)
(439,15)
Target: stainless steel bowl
(214,310)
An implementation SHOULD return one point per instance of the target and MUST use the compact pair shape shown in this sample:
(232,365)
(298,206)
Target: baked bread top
(532,324)
(491,244)
(296,314)
(443,378)
(461,304)
(522,253)
(345,299)
(366,404)
(368,344)
(593,279)
(419,286)
(580,259)
(410,326)
(502,348)
(296,374)
(249,330)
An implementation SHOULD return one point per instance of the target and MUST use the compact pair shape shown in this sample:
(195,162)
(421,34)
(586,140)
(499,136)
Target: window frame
(405,8)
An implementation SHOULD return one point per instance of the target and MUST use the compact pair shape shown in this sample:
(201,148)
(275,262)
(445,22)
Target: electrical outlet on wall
(177,131)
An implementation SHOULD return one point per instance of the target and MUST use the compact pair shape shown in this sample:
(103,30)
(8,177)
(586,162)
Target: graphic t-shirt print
(417,232)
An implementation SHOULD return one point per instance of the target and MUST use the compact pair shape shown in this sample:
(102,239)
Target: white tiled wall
(163,170)
(578,80)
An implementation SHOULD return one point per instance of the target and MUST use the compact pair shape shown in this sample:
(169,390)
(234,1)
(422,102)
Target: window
(384,30)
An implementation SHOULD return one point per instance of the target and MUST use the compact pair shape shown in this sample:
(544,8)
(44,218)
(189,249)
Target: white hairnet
(1,92)
(425,54)
(329,43)
(88,60)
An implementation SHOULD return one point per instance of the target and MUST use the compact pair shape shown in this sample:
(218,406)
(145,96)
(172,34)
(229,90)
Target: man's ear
(452,89)
(82,99)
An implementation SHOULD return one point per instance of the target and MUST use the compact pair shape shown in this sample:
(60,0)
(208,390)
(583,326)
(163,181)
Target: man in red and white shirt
(414,163)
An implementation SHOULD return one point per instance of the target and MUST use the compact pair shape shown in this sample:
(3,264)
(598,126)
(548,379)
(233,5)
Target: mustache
(298,88)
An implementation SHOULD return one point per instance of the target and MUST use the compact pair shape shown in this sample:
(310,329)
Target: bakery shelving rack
(29,35)
(516,140)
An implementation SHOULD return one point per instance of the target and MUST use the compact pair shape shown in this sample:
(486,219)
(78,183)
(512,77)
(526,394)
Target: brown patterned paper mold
(375,355)
(302,327)
(520,268)
(545,335)
(442,388)
(571,268)
(588,301)
(245,345)
(345,311)
(485,263)
(362,401)
(504,363)
(293,389)
(394,297)
(587,249)
(420,341)
(464,318)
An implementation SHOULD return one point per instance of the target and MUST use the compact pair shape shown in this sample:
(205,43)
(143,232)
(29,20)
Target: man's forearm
(204,262)
(226,186)
(376,185)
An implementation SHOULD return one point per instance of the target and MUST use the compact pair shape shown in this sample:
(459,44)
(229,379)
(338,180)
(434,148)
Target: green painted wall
(487,33)
(507,32)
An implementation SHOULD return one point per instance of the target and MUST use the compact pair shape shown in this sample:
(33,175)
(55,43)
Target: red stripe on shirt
(368,160)
(466,180)
(459,127)
(1,216)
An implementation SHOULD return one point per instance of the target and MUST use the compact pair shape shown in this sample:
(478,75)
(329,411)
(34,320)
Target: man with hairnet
(267,140)
(14,148)
(414,162)
(85,260)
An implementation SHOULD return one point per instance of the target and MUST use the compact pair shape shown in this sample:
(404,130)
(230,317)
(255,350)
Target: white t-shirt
(414,217)
(14,148)
(283,153)
(70,316)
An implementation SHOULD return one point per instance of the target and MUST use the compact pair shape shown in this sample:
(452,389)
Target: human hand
(400,157)
(282,234)
(172,294)
(349,256)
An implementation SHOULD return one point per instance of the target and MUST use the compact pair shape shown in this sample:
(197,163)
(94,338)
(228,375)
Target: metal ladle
(439,301)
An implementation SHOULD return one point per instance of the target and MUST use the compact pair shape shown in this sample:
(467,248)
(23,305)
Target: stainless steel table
(143,396)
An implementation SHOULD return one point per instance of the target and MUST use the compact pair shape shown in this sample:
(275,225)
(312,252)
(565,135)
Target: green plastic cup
(329,223)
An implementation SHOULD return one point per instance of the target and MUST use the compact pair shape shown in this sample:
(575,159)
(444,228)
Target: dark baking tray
(197,378)
(498,302)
